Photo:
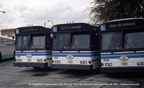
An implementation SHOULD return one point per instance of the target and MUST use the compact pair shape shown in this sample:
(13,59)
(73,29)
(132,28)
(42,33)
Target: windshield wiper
(73,43)
(127,43)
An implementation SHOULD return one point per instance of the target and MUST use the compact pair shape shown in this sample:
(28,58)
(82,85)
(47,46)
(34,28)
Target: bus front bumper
(122,69)
(76,67)
(25,64)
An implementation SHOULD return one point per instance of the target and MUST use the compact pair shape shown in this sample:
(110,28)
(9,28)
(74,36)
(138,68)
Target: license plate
(140,63)
(124,63)
(70,61)
(28,59)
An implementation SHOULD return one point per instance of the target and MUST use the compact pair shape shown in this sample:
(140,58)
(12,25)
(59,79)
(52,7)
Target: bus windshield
(22,42)
(62,41)
(25,42)
(80,41)
(67,41)
(111,40)
(134,40)
(37,42)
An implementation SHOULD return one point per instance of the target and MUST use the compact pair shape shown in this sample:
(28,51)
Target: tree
(105,10)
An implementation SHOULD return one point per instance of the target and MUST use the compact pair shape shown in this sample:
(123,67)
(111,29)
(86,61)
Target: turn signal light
(90,62)
(45,60)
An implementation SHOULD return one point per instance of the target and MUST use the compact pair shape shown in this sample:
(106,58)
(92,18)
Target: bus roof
(126,19)
(129,23)
(73,27)
(32,29)
(75,23)
(6,37)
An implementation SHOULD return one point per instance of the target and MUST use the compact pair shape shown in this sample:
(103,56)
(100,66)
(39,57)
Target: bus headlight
(39,60)
(57,61)
(19,60)
(108,64)
(83,62)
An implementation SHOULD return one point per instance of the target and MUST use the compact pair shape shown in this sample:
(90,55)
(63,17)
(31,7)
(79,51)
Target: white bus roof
(6,37)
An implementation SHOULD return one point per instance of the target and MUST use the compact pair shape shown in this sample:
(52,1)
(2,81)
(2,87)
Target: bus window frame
(45,34)
(124,31)
(71,36)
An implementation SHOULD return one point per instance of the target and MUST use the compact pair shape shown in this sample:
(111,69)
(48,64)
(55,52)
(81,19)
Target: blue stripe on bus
(32,54)
(74,52)
(123,53)
(74,55)
(118,55)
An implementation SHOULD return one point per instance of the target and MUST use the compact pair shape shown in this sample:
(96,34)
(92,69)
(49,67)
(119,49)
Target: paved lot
(27,77)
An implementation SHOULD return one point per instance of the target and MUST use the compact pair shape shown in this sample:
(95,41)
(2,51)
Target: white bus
(75,46)
(122,44)
(7,47)
(33,47)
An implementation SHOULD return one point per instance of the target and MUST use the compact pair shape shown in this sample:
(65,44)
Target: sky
(20,13)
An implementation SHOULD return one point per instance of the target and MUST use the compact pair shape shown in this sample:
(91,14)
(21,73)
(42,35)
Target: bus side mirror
(13,36)
(52,36)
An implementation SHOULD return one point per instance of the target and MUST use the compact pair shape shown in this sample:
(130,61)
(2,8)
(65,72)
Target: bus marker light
(52,61)
(102,64)
(90,62)
(45,60)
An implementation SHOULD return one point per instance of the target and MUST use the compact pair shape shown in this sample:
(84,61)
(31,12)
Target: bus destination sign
(29,30)
(122,25)
(70,27)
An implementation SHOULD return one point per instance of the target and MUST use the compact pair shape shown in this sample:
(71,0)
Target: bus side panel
(7,51)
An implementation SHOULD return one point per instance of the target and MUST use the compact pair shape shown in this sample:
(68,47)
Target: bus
(75,46)
(7,47)
(33,47)
(122,44)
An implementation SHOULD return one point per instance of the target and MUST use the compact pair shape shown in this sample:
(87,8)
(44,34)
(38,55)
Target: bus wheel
(36,67)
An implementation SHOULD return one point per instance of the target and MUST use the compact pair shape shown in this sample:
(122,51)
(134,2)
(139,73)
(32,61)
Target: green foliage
(105,10)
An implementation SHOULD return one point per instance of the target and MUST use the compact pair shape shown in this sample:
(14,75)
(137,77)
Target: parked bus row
(113,44)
